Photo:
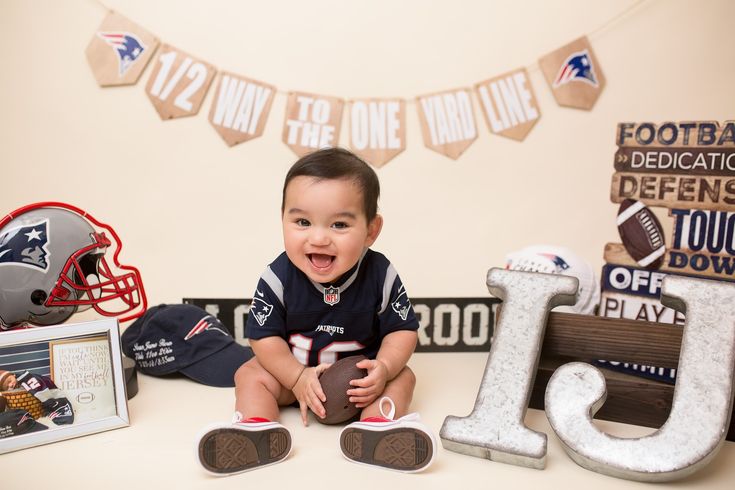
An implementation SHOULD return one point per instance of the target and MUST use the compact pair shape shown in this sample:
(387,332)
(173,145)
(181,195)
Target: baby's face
(324,227)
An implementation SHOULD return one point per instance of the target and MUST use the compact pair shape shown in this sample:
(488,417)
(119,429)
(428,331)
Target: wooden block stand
(630,399)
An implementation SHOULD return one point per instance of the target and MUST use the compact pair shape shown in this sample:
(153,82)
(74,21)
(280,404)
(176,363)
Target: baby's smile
(321,261)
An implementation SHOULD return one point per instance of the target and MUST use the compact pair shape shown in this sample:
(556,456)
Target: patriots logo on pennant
(26,246)
(577,68)
(206,323)
(127,46)
(331,296)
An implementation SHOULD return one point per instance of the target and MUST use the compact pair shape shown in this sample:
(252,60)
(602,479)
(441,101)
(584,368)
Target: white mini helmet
(52,264)
(560,260)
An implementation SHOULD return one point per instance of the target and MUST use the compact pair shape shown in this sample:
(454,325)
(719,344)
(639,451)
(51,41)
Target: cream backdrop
(202,219)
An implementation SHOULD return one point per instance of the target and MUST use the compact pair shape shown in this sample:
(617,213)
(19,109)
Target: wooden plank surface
(716,266)
(631,399)
(585,337)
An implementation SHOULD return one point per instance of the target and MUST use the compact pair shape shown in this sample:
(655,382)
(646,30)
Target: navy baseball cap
(185,339)
(17,422)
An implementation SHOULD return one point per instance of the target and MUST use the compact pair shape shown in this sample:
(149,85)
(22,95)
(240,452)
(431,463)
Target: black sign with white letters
(445,324)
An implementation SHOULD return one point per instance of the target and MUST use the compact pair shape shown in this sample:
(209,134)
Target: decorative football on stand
(335,382)
(641,234)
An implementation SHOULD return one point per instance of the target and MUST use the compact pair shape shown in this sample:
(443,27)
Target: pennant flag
(574,74)
(312,122)
(240,108)
(178,83)
(447,121)
(119,51)
(509,104)
(377,129)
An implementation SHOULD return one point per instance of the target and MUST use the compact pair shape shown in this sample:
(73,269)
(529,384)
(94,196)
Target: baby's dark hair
(338,163)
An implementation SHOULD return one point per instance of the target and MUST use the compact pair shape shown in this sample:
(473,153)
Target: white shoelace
(392,412)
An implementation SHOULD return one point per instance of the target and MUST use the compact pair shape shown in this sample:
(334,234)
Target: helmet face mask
(53,264)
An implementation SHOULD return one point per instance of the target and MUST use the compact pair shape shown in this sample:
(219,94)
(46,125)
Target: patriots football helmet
(52,264)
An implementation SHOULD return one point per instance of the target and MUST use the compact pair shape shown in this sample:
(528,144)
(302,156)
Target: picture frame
(84,360)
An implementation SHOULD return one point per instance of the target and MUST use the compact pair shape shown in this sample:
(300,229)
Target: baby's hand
(309,394)
(371,386)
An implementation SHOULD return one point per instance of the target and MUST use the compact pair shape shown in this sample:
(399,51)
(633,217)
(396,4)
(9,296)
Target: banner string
(533,67)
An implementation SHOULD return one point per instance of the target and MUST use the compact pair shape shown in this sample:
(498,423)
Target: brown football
(641,234)
(335,382)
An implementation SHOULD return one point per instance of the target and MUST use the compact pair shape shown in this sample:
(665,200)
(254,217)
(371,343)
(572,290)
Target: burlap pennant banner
(574,74)
(119,51)
(447,121)
(377,129)
(509,104)
(240,108)
(178,83)
(312,122)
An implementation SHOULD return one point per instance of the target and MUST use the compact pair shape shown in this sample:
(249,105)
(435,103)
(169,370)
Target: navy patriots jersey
(326,323)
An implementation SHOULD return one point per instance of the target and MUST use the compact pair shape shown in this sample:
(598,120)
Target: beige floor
(157,450)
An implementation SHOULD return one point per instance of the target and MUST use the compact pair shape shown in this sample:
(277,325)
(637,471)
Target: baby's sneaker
(226,449)
(404,444)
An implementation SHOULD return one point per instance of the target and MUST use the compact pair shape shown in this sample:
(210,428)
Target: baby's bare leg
(400,390)
(258,393)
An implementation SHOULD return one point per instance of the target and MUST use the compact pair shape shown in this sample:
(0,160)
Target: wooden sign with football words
(447,122)
(628,306)
(240,108)
(692,161)
(574,74)
(688,167)
(377,129)
(681,261)
(685,165)
(672,135)
(509,104)
(675,191)
(178,83)
(312,122)
(702,244)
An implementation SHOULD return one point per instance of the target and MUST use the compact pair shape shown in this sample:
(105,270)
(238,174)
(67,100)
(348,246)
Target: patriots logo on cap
(206,323)
(127,46)
(561,264)
(401,304)
(577,68)
(61,410)
(24,418)
(26,246)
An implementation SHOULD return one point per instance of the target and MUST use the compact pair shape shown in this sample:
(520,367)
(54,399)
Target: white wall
(202,219)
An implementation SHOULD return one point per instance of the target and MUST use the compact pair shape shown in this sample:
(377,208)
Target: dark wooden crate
(630,399)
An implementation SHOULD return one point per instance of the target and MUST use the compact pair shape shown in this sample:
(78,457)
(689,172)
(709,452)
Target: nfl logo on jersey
(331,296)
